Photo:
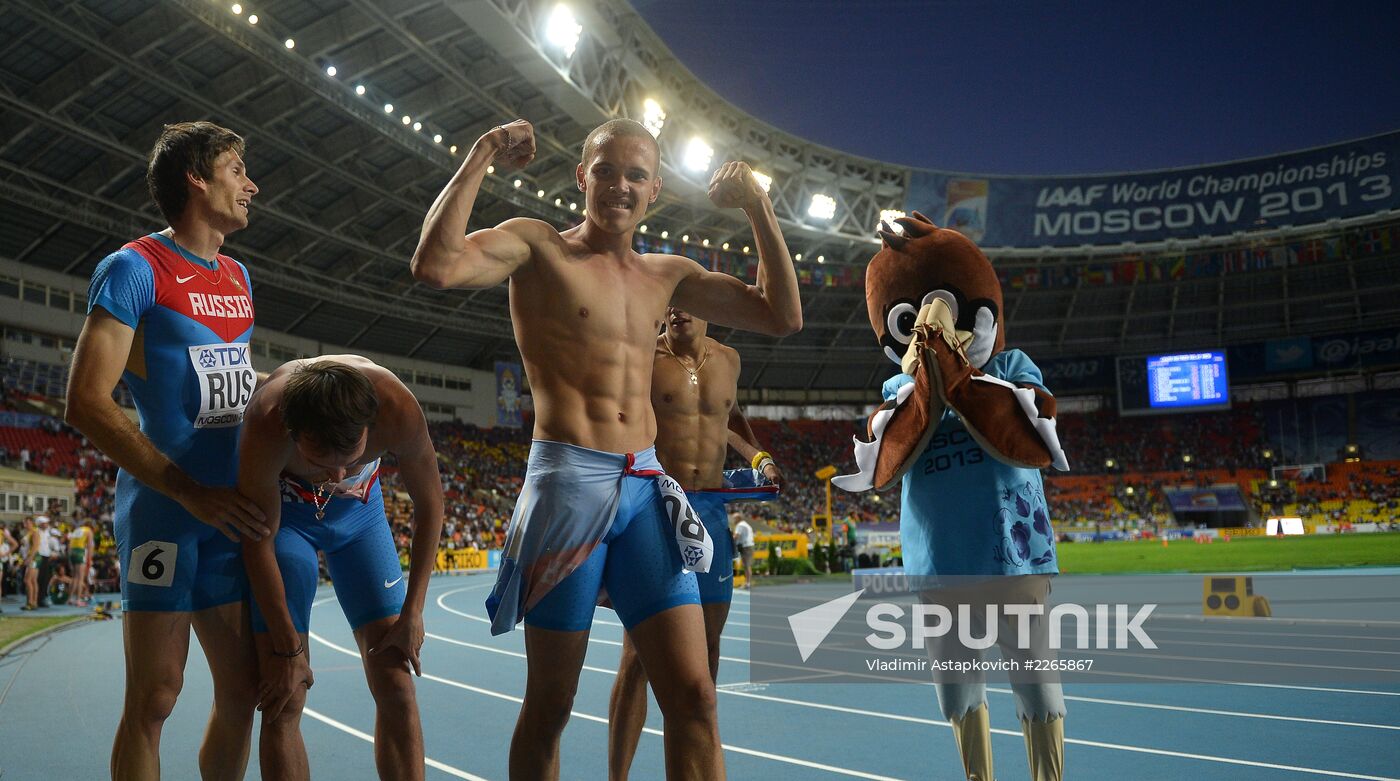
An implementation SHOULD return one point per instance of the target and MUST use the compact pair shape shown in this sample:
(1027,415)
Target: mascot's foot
(1045,748)
(973,733)
(1014,425)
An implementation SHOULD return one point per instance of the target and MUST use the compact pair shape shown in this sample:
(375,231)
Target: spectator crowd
(1120,467)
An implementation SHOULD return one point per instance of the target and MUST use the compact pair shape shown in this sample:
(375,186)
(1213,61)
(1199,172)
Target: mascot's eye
(948,298)
(899,323)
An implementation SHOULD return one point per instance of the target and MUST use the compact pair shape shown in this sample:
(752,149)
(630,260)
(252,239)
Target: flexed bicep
(725,300)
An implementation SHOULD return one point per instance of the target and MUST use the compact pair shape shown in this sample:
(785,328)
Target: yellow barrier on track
(790,546)
(469,558)
(1232,595)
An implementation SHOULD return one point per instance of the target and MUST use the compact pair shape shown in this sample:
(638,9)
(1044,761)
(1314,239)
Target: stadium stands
(1120,466)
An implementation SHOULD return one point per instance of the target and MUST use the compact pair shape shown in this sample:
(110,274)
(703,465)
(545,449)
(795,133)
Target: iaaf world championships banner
(1300,188)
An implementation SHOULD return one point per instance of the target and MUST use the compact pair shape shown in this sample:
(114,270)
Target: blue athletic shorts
(170,561)
(717,585)
(360,554)
(637,561)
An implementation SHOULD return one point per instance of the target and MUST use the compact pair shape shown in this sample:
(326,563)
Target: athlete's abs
(692,419)
(587,344)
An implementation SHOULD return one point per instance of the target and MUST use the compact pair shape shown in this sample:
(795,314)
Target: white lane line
(1269,647)
(1218,682)
(1222,660)
(883,679)
(1157,630)
(1214,712)
(1270,621)
(1074,698)
(1262,634)
(368,738)
(1012,733)
(648,730)
(996,731)
(1211,758)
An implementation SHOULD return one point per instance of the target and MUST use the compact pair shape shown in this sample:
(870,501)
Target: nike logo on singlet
(183,280)
(726,577)
(392,583)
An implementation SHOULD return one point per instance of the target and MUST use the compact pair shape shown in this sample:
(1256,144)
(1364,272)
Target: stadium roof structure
(357,111)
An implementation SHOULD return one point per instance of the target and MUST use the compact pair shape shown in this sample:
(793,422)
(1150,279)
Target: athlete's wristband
(759,458)
(301,649)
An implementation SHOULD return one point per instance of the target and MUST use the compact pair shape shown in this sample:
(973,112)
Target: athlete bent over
(310,458)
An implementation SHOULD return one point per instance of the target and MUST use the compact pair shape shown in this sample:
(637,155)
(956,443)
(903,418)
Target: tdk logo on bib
(226,382)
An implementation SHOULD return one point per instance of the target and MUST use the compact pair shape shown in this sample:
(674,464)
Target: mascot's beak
(935,317)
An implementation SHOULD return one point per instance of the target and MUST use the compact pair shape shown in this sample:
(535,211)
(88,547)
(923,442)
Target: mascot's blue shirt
(964,512)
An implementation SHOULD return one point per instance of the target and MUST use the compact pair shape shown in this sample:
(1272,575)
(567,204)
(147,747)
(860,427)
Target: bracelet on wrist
(301,649)
(760,457)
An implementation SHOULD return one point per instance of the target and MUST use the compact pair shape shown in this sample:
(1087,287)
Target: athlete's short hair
(185,147)
(617,128)
(329,404)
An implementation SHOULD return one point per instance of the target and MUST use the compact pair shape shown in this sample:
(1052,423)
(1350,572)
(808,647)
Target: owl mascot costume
(965,428)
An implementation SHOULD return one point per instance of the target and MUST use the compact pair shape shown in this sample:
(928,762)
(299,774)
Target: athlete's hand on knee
(406,637)
(226,510)
(512,144)
(282,678)
(734,187)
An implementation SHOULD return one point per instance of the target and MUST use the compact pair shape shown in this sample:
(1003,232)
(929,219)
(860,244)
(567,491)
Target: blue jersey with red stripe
(190,370)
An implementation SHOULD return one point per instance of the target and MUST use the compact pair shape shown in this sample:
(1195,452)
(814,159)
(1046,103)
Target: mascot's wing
(1015,425)
(898,432)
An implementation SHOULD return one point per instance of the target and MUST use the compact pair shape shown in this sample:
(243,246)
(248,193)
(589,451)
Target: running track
(60,698)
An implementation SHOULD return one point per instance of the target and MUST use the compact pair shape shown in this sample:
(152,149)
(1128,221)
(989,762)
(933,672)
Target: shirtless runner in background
(586,309)
(694,391)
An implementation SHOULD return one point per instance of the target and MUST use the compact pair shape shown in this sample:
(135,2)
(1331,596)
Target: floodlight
(653,117)
(823,206)
(563,30)
(698,155)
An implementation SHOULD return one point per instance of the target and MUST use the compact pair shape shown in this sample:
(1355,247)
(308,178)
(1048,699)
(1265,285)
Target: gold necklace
(695,374)
(322,497)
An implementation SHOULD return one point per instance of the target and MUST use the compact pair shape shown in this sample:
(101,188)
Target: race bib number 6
(153,564)
(226,381)
(696,548)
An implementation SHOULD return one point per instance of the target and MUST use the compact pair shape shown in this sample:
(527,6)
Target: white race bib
(226,382)
(153,564)
(696,548)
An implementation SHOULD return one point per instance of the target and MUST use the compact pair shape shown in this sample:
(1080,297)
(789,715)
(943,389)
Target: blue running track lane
(62,698)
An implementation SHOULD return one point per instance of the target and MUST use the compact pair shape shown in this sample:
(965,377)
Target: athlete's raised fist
(734,187)
(513,144)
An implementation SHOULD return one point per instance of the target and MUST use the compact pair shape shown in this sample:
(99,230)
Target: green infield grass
(1240,554)
(13,628)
